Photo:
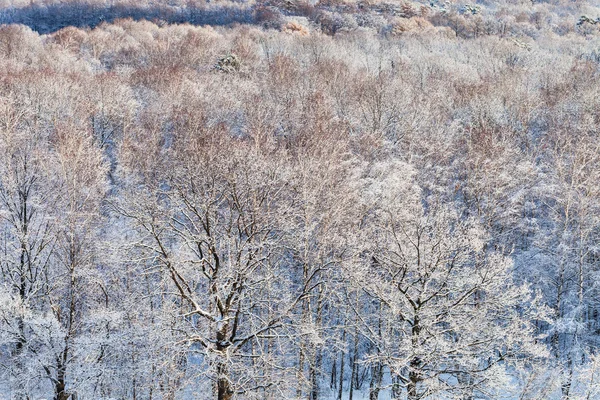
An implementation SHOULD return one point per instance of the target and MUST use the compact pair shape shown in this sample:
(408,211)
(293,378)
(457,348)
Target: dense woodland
(260,200)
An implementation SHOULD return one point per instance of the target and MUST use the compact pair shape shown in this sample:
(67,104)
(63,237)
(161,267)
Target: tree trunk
(341,388)
(60,385)
(224,389)
(61,372)
(314,375)
(302,355)
(377,369)
(60,390)
(397,387)
(333,382)
(352,377)
(414,373)
(565,386)
(317,361)
(300,372)
(412,385)
(22,286)
(465,382)
(375,384)
(354,374)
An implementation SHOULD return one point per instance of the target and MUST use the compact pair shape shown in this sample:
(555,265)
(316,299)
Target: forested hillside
(287,200)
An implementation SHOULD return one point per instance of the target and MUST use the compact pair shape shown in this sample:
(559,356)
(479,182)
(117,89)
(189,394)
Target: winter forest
(281,199)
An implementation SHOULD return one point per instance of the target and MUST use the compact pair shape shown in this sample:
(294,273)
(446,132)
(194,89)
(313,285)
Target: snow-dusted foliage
(299,200)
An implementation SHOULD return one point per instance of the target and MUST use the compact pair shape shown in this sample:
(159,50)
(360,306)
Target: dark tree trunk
(375,384)
(377,369)
(352,378)
(354,374)
(341,388)
(314,375)
(414,374)
(300,373)
(224,389)
(566,381)
(60,385)
(317,362)
(333,382)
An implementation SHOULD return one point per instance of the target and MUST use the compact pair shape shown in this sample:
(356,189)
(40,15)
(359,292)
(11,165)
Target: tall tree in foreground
(566,250)
(27,230)
(75,294)
(214,222)
(454,317)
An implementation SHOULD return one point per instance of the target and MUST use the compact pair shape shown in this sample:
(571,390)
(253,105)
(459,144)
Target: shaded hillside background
(505,18)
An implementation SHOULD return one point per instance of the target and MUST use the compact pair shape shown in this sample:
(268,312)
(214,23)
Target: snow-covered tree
(455,321)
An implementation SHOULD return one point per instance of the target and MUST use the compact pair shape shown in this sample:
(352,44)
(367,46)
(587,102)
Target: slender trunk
(581,315)
(21,341)
(153,375)
(317,361)
(354,374)
(396,387)
(375,384)
(69,324)
(352,378)
(565,386)
(61,372)
(414,374)
(555,340)
(300,372)
(332,382)
(19,350)
(314,375)
(60,386)
(341,382)
(412,384)
(306,311)
(268,369)
(377,369)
